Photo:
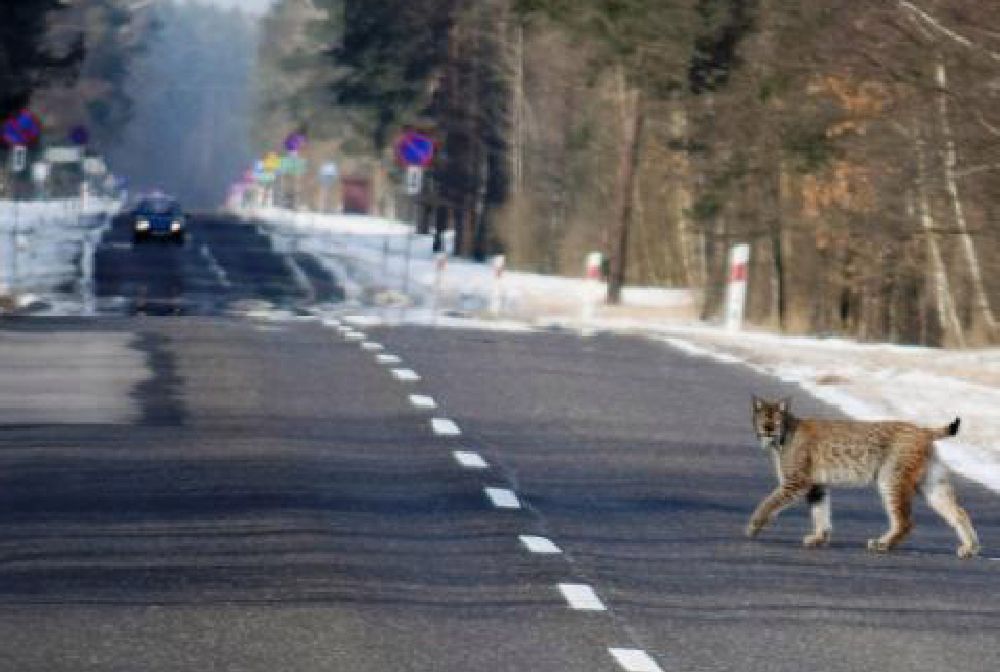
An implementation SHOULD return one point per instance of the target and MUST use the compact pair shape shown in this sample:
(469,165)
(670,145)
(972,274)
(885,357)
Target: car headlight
(142,225)
(176,225)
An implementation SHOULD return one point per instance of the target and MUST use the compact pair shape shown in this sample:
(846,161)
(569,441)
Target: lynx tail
(950,430)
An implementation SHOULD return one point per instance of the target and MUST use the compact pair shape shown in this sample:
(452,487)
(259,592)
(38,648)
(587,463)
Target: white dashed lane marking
(388,359)
(354,336)
(331,322)
(581,597)
(470,460)
(368,346)
(420,401)
(541,545)
(405,374)
(503,498)
(634,660)
(444,427)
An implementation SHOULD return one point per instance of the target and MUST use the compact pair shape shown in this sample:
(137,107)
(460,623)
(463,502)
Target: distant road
(265,494)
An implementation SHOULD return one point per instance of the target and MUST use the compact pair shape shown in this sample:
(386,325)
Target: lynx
(811,454)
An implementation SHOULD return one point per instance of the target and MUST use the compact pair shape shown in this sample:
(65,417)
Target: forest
(162,90)
(855,145)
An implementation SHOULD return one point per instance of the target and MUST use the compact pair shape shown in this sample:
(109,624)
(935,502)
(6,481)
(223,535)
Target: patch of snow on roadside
(866,389)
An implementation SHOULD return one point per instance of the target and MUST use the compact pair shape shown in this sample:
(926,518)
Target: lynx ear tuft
(785,405)
(758,403)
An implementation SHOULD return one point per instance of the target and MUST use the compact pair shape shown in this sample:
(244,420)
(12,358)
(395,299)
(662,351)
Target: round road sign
(415,149)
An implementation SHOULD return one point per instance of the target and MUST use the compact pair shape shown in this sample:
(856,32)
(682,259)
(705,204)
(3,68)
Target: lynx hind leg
(941,496)
(897,489)
(819,509)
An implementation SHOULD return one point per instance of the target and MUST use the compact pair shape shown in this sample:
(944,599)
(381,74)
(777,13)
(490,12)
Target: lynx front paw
(967,551)
(878,546)
(816,540)
(755,526)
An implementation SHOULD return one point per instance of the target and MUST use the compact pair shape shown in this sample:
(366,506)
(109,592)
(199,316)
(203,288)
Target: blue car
(158,217)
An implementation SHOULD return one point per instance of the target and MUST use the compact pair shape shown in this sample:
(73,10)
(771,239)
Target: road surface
(240,486)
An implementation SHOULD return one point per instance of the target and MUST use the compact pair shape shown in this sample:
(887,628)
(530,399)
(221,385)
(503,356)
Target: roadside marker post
(591,292)
(736,289)
(440,264)
(497,300)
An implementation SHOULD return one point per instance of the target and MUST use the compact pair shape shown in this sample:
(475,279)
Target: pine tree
(27,61)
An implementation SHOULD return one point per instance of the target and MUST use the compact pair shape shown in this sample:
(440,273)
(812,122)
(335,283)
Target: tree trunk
(517,113)
(982,303)
(943,299)
(690,241)
(632,126)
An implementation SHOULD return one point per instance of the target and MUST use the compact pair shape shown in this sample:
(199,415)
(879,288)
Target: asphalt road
(256,491)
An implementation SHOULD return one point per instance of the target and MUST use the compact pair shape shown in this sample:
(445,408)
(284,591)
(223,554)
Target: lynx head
(770,419)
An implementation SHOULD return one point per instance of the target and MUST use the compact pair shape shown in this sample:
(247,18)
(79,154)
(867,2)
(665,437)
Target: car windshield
(158,206)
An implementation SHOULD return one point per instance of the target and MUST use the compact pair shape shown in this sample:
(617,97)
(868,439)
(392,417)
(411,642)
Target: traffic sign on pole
(328,172)
(415,149)
(23,128)
(40,172)
(414,180)
(19,158)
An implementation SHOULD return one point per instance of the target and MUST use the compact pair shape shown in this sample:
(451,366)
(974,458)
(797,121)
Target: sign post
(327,175)
(414,152)
(40,175)
(736,290)
(440,264)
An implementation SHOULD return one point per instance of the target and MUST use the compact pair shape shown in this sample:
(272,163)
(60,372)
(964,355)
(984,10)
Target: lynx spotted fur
(812,454)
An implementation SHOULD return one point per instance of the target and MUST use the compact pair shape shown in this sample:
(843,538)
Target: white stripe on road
(420,401)
(541,545)
(368,346)
(344,329)
(581,597)
(502,498)
(445,427)
(354,336)
(215,266)
(388,359)
(331,322)
(470,460)
(634,660)
(405,374)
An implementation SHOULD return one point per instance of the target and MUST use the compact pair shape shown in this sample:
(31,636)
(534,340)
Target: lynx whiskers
(812,454)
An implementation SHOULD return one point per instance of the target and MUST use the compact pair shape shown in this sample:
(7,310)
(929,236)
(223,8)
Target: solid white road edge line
(405,374)
(421,401)
(634,660)
(470,460)
(542,545)
(581,597)
(502,498)
(388,359)
(445,427)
